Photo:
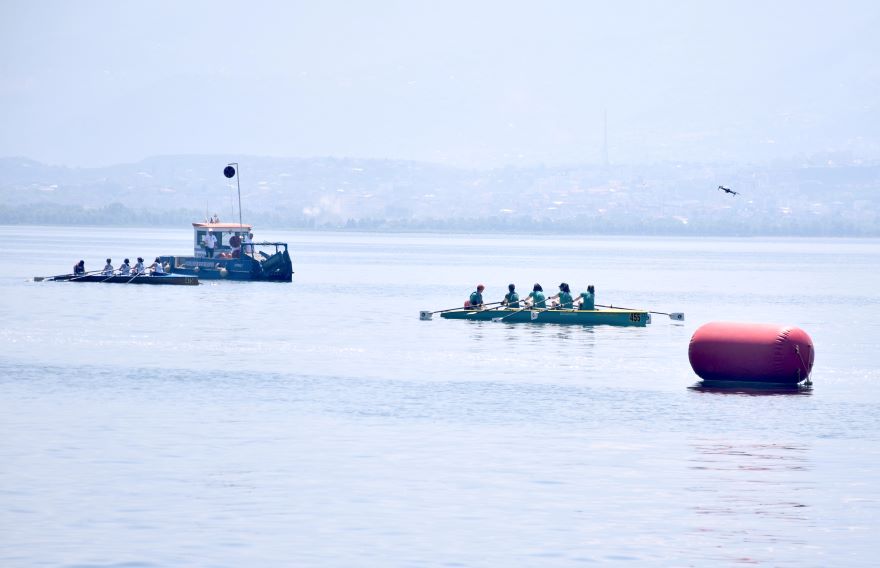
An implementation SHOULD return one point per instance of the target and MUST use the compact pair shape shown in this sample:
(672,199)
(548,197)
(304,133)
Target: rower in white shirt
(157,268)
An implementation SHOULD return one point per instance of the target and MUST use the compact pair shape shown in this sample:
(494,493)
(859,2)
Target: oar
(677,316)
(83,275)
(534,315)
(41,278)
(426,315)
(108,278)
(135,276)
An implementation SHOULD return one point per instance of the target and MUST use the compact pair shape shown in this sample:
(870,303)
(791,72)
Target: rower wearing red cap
(476,300)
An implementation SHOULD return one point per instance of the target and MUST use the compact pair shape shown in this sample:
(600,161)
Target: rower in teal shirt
(565,300)
(477,297)
(537,296)
(588,299)
(511,299)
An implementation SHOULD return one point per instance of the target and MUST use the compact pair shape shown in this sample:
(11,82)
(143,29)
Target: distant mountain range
(817,196)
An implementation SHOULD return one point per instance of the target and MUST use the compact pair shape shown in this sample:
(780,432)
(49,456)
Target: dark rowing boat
(158,279)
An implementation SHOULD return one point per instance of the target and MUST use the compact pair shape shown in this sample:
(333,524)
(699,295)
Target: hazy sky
(464,83)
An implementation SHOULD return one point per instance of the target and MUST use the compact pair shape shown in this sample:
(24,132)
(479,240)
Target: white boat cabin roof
(222,227)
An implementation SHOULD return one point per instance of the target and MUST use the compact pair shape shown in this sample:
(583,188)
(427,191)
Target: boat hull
(277,268)
(163,280)
(618,317)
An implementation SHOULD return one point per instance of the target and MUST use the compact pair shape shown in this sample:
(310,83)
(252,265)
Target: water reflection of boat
(233,258)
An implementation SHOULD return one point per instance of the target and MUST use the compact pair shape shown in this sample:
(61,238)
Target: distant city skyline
(474,85)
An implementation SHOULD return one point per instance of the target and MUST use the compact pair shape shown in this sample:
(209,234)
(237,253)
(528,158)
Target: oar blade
(677,316)
(425,315)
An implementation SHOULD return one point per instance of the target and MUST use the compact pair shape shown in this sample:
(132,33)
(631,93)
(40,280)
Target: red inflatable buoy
(753,352)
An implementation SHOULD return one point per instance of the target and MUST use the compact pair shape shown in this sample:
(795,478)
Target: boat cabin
(227,235)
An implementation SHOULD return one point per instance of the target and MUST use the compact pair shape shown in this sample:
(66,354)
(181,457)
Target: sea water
(321,423)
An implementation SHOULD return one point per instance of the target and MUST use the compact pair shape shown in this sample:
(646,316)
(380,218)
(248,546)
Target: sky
(469,84)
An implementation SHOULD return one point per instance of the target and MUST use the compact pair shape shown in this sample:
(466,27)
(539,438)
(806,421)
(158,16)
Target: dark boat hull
(276,268)
(163,280)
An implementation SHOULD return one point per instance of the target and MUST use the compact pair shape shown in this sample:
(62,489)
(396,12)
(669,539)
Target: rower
(564,295)
(157,268)
(125,268)
(108,268)
(476,299)
(139,267)
(588,299)
(537,296)
(79,268)
(511,299)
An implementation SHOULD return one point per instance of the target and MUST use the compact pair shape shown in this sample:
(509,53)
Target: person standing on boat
(210,241)
(235,243)
(564,295)
(476,299)
(79,268)
(139,267)
(157,268)
(537,297)
(108,268)
(249,244)
(588,299)
(125,268)
(511,299)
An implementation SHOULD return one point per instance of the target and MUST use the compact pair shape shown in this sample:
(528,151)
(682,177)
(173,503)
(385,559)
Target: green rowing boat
(611,316)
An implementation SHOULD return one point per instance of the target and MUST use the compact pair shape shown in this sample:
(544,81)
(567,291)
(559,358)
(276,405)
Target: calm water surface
(320,423)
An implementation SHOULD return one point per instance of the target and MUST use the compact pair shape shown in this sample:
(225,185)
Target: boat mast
(229,171)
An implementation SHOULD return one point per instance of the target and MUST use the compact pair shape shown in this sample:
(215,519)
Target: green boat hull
(628,318)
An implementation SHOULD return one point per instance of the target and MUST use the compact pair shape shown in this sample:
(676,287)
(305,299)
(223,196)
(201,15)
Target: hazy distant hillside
(815,196)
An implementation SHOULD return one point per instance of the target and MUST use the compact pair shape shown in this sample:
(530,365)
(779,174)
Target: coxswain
(79,268)
(139,267)
(125,268)
(588,299)
(511,299)
(537,297)
(108,268)
(476,299)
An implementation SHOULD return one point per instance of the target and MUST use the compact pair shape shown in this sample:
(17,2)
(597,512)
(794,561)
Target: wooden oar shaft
(84,274)
(634,310)
(514,313)
(631,309)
